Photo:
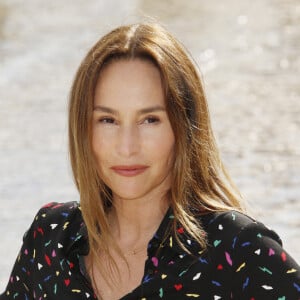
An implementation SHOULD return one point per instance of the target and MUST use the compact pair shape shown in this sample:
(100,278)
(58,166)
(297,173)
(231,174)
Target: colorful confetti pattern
(244,260)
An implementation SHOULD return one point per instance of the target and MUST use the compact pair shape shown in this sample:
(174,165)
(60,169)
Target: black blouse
(244,260)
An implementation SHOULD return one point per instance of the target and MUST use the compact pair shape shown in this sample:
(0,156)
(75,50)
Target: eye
(107,120)
(151,120)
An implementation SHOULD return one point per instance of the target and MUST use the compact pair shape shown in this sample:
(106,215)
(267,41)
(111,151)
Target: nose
(128,142)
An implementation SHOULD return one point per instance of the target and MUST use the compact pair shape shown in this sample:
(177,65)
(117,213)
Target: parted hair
(200,182)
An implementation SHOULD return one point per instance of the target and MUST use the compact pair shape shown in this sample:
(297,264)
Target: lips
(129,171)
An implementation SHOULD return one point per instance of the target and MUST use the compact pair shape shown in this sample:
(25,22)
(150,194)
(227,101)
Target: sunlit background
(248,54)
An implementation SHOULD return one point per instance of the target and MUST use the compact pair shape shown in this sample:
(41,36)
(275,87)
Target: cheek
(99,145)
(163,148)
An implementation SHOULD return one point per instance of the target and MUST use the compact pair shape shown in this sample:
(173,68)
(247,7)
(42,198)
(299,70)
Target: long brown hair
(200,181)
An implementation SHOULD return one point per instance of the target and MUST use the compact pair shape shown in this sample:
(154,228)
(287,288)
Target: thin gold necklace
(135,251)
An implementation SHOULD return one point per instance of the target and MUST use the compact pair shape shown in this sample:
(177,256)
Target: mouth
(129,171)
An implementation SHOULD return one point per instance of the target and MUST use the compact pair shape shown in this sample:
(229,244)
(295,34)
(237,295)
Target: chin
(128,195)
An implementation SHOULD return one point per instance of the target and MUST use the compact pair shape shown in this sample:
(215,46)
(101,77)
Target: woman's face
(133,141)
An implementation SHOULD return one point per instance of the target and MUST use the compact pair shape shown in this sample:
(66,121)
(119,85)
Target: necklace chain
(135,251)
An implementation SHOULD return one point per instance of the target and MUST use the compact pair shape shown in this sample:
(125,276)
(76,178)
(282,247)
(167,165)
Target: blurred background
(248,54)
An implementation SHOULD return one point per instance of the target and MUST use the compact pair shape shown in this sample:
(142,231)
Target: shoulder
(56,211)
(55,237)
(246,257)
(251,255)
(56,222)
(54,214)
(232,229)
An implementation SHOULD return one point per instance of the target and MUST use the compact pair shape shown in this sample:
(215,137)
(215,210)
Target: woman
(158,216)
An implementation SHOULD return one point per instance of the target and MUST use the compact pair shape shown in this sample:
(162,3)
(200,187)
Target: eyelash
(152,120)
(106,120)
(147,120)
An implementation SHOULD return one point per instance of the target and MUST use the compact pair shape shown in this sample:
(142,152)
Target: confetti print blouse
(244,260)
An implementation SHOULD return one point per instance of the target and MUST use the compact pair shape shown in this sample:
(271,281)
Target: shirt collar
(164,237)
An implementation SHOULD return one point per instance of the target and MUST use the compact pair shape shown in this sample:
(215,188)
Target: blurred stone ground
(248,53)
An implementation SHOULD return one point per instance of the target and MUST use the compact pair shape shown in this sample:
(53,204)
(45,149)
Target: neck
(136,220)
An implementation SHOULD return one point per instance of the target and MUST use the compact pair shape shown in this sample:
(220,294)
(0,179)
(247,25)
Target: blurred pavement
(248,53)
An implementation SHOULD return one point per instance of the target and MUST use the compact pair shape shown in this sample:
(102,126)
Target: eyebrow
(141,111)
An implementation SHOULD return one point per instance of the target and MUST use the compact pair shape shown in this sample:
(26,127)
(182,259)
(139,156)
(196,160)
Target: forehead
(135,81)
